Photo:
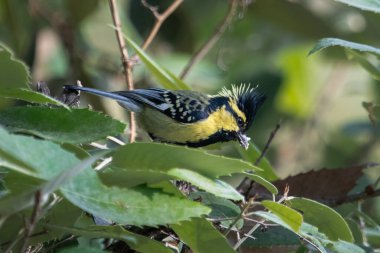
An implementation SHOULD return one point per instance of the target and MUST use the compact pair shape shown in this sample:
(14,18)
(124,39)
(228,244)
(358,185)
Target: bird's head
(243,104)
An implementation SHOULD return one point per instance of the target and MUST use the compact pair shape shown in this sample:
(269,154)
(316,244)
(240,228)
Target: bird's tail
(126,102)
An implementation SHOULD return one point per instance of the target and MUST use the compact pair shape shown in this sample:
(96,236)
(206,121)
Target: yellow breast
(167,129)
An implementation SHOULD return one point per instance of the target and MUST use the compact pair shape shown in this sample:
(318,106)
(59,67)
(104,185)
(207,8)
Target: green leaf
(130,178)
(165,77)
(326,219)
(37,158)
(272,236)
(58,124)
(29,96)
(222,209)
(274,218)
(201,236)
(14,73)
(324,244)
(216,187)
(26,199)
(163,157)
(81,249)
(365,63)
(251,155)
(139,206)
(344,247)
(135,241)
(268,185)
(330,42)
(311,233)
(367,5)
(290,217)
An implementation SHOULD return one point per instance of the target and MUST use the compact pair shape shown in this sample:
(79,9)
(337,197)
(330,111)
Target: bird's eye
(240,121)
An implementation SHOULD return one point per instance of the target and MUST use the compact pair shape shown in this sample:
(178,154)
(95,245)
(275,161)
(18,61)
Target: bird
(190,118)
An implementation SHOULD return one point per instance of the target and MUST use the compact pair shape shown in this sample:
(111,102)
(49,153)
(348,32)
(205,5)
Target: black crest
(248,99)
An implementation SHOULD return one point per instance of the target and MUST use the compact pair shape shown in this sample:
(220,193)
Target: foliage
(66,186)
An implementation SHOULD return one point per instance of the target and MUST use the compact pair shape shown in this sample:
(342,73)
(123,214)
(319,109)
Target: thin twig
(312,244)
(271,137)
(127,64)
(369,192)
(206,47)
(259,222)
(248,235)
(242,212)
(33,219)
(244,183)
(14,242)
(160,19)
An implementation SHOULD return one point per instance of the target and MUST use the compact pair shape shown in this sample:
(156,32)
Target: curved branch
(160,18)
(206,47)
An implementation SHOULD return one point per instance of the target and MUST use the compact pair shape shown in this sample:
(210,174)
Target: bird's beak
(243,140)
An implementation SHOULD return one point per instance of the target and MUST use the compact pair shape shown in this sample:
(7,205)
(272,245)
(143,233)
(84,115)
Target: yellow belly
(169,130)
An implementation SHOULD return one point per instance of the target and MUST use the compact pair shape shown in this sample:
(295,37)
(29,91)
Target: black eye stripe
(238,119)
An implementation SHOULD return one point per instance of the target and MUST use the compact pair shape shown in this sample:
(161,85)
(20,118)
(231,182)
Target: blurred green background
(318,98)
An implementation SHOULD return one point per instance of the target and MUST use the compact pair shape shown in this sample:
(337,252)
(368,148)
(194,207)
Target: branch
(127,64)
(243,187)
(160,19)
(271,137)
(206,47)
(33,220)
(369,192)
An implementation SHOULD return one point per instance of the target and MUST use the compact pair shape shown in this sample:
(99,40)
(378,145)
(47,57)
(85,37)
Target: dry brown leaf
(322,185)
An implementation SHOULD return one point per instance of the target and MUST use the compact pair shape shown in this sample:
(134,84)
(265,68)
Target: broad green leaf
(165,77)
(130,178)
(81,249)
(33,157)
(26,199)
(214,186)
(365,63)
(326,219)
(367,5)
(312,234)
(61,125)
(14,73)
(272,236)
(29,96)
(268,185)
(290,217)
(251,155)
(163,157)
(344,247)
(135,241)
(201,236)
(330,42)
(138,206)
(324,244)
(223,209)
